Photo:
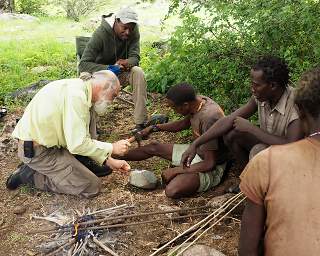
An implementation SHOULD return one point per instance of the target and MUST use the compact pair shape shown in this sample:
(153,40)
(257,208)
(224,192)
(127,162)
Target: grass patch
(16,237)
(19,62)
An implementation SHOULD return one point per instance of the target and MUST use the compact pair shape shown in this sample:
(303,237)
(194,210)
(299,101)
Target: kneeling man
(56,126)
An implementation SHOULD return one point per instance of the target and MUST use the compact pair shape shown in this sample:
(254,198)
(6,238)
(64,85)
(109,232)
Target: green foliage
(219,41)
(30,6)
(22,64)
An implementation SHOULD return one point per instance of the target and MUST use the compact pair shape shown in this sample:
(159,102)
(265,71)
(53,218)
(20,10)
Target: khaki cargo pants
(137,80)
(57,170)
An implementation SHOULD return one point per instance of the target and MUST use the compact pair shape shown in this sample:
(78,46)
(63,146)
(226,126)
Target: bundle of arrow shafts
(99,224)
(204,225)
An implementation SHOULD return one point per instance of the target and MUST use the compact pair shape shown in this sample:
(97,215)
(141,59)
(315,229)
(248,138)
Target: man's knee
(137,71)
(172,192)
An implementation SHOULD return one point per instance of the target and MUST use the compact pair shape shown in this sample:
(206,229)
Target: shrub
(30,6)
(218,42)
(76,8)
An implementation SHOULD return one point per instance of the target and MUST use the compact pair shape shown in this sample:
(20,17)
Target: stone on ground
(143,179)
(198,250)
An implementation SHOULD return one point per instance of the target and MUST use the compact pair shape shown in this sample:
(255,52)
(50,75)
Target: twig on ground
(126,101)
(71,242)
(107,249)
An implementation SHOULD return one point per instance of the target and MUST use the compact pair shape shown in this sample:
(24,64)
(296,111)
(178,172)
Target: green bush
(30,6)
(219,41)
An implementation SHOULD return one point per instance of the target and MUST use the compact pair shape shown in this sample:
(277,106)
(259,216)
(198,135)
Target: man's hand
(242,125)
(123,63)
(118,165)
(188,156)
(120,147)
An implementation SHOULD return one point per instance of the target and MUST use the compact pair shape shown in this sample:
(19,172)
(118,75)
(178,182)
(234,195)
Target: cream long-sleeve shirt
(59,115)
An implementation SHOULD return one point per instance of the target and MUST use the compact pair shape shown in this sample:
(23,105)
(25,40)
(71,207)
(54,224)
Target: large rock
(17,16)
(143,179)
(198,250)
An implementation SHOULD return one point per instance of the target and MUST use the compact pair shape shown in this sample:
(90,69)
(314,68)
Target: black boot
(98,170)
(22,176)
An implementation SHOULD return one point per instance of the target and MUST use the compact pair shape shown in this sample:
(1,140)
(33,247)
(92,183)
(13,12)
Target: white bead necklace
(314,134)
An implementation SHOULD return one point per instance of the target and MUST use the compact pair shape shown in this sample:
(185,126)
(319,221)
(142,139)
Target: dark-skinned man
(281,183)
(279,122)
(115,45)
(207,168)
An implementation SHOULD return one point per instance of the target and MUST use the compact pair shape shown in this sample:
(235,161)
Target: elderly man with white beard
(55,129)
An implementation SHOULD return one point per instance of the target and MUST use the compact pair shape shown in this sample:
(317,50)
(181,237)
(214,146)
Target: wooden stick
(127,224)
(126,101)
(228,202)
(71,242)
(108,209)
(104,247)
(122,217)
(206,230)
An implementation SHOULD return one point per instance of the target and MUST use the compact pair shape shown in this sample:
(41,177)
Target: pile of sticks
(104,221)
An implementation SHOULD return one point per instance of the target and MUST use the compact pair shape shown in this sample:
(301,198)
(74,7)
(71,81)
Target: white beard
(101,107)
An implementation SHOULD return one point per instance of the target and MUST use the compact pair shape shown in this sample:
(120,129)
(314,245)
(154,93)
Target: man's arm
(221,127)
(174,126)
(294,132)
(208,163)
(252,229)
(92,50)
(78,140)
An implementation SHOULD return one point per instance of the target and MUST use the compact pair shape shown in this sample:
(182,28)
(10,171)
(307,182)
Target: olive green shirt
(105,48)
(59,115)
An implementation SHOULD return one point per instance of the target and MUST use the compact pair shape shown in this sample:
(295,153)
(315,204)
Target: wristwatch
(155,128)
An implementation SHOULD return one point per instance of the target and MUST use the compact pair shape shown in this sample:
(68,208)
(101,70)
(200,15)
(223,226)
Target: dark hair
(274,69)
(181,93)
(308,92)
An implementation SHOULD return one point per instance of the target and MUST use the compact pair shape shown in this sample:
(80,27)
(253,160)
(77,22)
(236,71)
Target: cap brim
(126,21)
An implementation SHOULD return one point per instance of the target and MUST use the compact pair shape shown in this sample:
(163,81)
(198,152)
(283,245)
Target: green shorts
(209,179)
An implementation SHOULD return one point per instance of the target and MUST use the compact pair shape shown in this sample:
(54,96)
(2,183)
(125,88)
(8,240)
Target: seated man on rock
(278,117)
(57,125)
(115,45)
(208,167)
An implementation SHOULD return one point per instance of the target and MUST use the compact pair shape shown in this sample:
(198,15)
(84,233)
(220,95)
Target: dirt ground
(138,240)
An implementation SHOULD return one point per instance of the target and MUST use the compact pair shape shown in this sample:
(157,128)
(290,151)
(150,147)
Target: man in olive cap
(115,46)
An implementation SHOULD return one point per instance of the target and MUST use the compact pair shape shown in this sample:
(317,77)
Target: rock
(143,179)
(198,249)
(40,69)
(218,201)
(30,253)
(20,209)
(17,16)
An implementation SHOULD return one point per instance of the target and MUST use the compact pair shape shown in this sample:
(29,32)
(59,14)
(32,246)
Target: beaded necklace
(314,134)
